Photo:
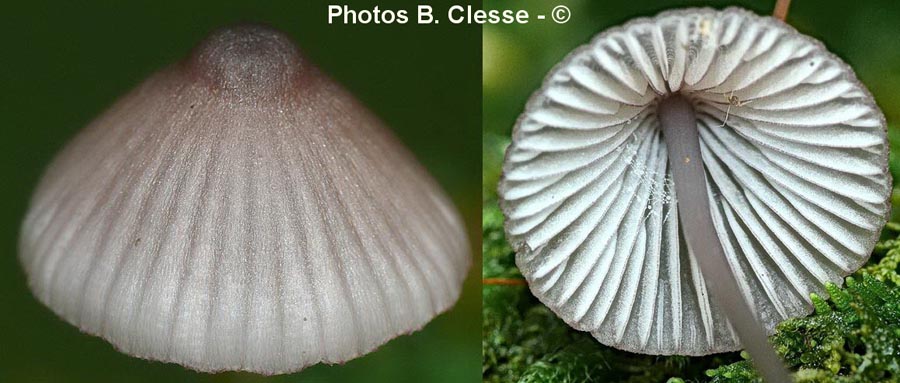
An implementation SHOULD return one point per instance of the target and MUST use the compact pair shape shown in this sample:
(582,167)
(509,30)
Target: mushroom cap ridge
(798,178)
(250,225)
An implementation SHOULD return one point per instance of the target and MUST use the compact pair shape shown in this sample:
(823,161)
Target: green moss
(499,259)
(853,335)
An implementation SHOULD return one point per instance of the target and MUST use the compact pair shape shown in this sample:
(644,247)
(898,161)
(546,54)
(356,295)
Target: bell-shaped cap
(795,153)
(241,211)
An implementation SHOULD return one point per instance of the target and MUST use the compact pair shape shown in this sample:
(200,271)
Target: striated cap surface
(241,211)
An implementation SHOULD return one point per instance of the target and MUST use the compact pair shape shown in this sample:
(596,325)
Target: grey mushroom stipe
(239,210)
(694,129)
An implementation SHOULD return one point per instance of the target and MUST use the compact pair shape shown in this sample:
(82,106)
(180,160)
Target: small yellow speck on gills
(705,27)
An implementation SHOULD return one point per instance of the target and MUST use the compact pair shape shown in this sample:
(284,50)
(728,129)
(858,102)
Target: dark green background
(864,33)
(63,63)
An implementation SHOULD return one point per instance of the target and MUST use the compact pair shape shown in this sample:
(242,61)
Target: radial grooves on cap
(209,167)
(182,226)
(797,175)
(412,266)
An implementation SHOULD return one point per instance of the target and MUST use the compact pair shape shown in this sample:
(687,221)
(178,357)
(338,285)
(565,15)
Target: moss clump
(854,336)
(499,258)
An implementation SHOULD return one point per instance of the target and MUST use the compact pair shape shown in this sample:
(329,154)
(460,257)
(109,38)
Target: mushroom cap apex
(249,58)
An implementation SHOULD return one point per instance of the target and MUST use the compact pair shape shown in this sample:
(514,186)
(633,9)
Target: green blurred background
(63,63)
(864,33)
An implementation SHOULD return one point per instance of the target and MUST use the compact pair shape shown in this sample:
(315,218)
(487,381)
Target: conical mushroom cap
(241,211)
(797,174)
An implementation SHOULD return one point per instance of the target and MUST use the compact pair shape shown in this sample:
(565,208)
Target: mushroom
(239,210)
(683,183)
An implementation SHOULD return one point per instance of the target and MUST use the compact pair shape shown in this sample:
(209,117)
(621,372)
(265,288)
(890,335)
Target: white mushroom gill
(795,157)
(241,211)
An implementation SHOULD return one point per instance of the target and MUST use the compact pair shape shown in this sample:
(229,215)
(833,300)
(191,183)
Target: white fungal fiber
(795,154)
(241,211)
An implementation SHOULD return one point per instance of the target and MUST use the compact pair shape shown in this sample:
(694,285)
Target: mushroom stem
(503,281)
(680,132)
(781,9)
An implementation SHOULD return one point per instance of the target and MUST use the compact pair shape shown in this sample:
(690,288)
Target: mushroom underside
(793,150)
